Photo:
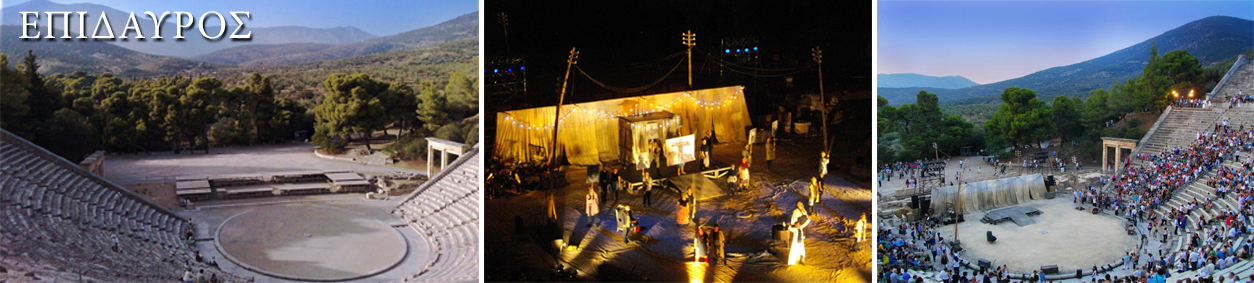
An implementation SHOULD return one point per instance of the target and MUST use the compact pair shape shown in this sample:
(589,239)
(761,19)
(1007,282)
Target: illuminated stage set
(623,134)
(619,133)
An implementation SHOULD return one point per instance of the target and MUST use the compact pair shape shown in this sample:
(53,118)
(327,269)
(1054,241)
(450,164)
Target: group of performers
(709,239)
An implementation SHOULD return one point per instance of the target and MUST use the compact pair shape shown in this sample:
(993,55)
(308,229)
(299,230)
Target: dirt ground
(293,240)
(975,169)
(664,252)
(344,230)
(160,193)
(166,166)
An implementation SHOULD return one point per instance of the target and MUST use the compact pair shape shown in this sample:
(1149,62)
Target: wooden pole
(957,203)
(818,57)
(690,40)
(557,111)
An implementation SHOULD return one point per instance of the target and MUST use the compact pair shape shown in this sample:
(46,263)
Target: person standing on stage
(816,192)
(659,158)
(681,214)
(648,189)
(591,206)
(603,181)
(800,219)
(744,178)
(707,151)
(823,160)
(717,242)
(825,157)
(861,226)
(618,183)
(628,224)
(692,204)
(680,170)
(770,151)
(745,155)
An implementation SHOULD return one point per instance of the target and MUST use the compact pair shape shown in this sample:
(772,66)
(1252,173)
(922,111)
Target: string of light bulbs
(636,112)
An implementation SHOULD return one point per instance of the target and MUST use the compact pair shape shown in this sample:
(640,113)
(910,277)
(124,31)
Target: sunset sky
(992,41)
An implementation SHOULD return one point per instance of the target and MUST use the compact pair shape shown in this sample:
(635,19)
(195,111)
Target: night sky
(621,44)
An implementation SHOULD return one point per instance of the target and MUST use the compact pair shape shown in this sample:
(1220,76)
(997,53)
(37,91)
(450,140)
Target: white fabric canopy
(589,131)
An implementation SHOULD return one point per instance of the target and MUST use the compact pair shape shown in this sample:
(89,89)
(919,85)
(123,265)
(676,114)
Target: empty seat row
(446,209)
(60,217)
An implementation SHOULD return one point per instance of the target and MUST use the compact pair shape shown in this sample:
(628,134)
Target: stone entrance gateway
(1119,144)
(446,148)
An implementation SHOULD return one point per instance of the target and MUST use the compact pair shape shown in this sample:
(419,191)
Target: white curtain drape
(589,131)
(991,194)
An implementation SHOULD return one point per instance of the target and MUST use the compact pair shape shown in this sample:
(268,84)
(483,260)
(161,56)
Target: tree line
(356,106)
(75,114)
(1023,119)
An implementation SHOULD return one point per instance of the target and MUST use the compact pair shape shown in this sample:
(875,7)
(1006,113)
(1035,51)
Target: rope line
(634,89)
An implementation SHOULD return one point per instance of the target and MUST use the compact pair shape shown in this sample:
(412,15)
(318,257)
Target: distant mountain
(303,80)
(194,44)
(917,80)
(1211,40)
(461,28)
(299,34)
(92,57)
(262,54)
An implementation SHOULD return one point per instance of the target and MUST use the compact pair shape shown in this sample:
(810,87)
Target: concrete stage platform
(1072,239)
(703,187)
(1021,215)
(635,178)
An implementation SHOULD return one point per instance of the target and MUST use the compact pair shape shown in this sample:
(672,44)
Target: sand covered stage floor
(1072,239)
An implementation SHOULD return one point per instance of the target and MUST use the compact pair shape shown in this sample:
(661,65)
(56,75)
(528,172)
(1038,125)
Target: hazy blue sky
(992,41)
(379,17)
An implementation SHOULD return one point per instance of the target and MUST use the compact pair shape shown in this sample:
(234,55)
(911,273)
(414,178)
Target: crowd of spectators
(1208,231)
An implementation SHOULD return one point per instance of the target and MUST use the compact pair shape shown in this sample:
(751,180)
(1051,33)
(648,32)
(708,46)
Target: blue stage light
(726,50)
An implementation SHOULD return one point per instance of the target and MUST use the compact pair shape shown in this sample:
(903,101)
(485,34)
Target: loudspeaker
(914,202)
(925,204)
(1049,181)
